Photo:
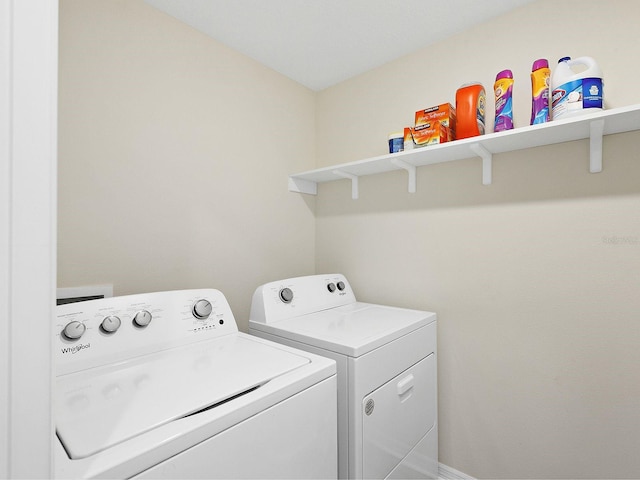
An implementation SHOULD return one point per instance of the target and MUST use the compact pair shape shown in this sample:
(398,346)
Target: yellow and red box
(444,113)
(431,134)
(408,137)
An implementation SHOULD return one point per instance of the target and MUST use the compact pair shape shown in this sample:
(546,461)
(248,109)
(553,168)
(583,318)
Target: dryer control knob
(73,330)
(142,318)
(331,287)
(286,295)
(341,286)
(110,324)
(202,309)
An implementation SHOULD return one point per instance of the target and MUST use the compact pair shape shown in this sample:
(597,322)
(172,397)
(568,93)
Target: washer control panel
(108,330)
(298,296)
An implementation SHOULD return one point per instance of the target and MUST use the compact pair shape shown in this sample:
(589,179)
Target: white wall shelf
(592,126)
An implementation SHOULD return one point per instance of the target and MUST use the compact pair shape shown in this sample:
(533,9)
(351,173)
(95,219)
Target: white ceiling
(319,43)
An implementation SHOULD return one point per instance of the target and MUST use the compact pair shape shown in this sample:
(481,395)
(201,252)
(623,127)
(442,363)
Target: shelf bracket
(303,186)
(411,170)
(354,182)
(596,130)
(487,158)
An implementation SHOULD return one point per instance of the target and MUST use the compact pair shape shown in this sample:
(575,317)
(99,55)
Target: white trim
(28,164)
(447,473)
(5,224)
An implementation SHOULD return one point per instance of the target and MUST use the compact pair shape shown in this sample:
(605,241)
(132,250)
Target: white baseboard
(447,473)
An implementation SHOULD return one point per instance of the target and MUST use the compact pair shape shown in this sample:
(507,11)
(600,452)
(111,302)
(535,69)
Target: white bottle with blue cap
(577,87)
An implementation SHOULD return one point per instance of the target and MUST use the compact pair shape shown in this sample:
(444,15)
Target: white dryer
(386,358)
(163,385)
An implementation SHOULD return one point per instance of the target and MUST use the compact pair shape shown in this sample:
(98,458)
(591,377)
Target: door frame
(28,191)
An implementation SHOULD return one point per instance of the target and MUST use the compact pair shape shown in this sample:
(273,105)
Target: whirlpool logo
(75,349)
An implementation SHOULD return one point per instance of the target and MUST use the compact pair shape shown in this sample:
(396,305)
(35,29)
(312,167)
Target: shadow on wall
(549,173)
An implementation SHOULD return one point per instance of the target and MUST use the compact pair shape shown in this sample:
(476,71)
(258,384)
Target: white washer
(386,357)
(163,385)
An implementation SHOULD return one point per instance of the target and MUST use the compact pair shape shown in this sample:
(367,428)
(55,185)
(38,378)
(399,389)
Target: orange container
(470,108)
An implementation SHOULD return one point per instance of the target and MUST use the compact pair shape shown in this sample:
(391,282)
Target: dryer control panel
(110,330)
(298,296)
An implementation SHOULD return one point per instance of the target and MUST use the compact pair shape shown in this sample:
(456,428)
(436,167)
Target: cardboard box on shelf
(444,113)
(431,134)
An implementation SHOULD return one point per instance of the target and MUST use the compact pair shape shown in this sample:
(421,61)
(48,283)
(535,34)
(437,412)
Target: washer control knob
(202,309)
(142,318)
(73,330)
(110,324)
(286,295)
(331,287)
(341,286)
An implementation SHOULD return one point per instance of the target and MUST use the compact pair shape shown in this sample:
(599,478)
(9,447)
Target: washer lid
(98,408)
(352,330)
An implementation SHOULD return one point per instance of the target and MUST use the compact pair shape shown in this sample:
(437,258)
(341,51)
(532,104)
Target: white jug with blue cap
(577,87)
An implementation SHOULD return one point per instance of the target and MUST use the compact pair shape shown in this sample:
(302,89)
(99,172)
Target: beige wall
(173,158)
(174,153)
(534,278)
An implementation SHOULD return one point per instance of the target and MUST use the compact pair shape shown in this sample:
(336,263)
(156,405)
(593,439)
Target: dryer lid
(351,330)
(98,408)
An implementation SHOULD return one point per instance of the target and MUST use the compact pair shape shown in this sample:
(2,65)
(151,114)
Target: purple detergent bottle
(503,89)
(540,78)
